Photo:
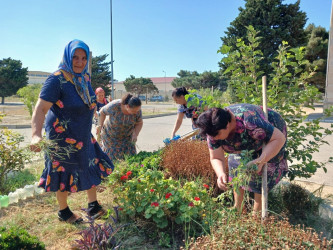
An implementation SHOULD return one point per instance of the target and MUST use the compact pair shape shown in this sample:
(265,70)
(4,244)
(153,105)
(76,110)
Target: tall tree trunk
(2,100)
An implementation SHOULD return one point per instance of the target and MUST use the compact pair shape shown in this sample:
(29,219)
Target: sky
(151,38)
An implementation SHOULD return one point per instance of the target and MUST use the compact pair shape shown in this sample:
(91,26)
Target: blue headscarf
(67,63)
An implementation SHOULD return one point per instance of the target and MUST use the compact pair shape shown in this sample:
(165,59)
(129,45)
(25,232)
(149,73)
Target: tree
(287,93)
(275,22)
(12,77)
(100,73)
(140,85)
(29,94)
(194,80)
(316,54)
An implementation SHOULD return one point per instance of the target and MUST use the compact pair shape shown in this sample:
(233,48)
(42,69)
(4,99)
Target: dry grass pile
(188,159)
(249,233)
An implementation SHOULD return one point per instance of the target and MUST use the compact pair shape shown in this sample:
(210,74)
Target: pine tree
(275,21)
(100,73)
(316,53)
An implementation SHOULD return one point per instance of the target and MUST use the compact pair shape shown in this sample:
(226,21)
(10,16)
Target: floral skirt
(275,172)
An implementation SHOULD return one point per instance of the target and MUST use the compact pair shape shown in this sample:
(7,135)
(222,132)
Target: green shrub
(16,238)
(29,95)
(294,201)
(18,180)
(287,93)
(146,193)
(12,156)
(138,158)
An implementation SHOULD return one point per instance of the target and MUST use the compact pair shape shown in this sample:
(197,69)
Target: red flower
(154,204)
(129,173)
(60,104)
(167,195)
(101,167)
(205,186)
(59,129)
(79,145)
(197,198)
(152,190)
(56,123)
(41,181)
(92,106)
(61,169)
(120,209)
(74,189)
(55,164)
(191,204)
(124,177)
(70,140)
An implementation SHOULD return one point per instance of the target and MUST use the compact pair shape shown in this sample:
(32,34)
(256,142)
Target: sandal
(97,214)
(74,219)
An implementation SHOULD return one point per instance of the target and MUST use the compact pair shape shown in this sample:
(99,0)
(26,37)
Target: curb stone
(326,211)
(29,125)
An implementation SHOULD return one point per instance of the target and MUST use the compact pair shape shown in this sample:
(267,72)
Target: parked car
(142,97)
(156,98)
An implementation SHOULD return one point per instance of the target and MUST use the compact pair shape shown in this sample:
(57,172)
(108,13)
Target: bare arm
(37,121)
(180,117)
(95,112)
(218,161)
(101,120)
(137,130)
(271,149)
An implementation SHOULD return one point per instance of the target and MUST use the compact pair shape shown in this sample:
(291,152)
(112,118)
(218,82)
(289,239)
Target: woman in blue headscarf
(75,161)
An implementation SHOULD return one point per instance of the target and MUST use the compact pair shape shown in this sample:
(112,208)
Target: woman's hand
(34,145)
(256,162)
(134,137)
(222,181)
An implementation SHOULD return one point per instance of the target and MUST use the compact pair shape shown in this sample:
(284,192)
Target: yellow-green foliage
(12,156)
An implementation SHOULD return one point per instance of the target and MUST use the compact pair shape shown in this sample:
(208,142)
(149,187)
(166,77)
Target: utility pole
(112,75)
(328,100)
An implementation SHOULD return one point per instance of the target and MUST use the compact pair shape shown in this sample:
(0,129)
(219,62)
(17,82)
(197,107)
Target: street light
(165,94)
(112,84)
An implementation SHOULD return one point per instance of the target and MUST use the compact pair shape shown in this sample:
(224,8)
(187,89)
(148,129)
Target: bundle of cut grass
(188,159)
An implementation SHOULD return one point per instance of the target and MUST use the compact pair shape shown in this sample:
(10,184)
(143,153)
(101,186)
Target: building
(37,76)
(163,84)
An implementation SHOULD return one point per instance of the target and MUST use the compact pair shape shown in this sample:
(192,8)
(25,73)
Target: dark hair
(131,101)
(179,92)
(212,120)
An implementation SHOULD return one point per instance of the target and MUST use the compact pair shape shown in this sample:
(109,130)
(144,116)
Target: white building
(163,84)
(37,76)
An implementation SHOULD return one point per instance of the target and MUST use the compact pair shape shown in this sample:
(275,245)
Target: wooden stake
(264,191)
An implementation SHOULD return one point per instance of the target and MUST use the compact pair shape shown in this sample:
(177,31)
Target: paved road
(155,130)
